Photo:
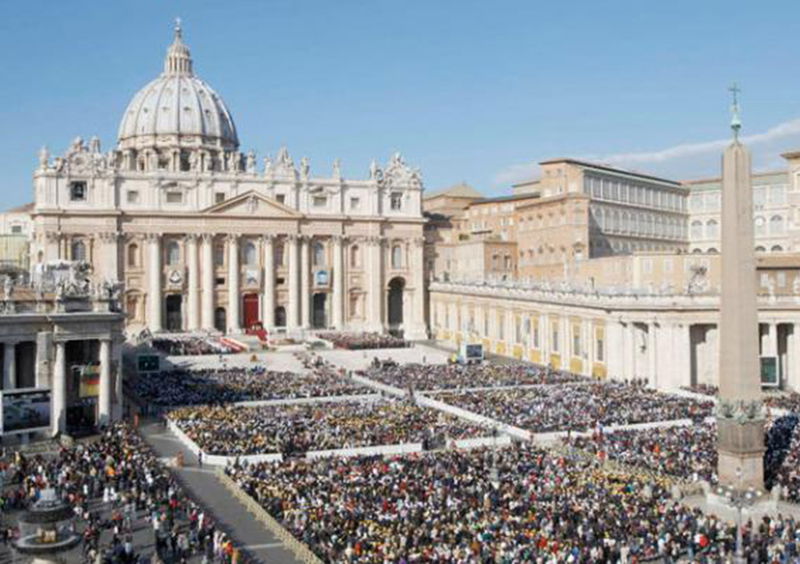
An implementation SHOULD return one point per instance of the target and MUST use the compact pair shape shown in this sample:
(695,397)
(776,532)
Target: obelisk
(740,417)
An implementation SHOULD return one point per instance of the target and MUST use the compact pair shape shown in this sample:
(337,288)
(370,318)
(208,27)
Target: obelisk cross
(736,122)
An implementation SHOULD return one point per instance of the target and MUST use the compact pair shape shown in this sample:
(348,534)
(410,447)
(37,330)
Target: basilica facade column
(104,395)
(293,272)
(9,366)
(233,284)
(268,300)
(59,392)
(652,354)
(193,282)
(154,293)
(109,265)
(338,283)
(305,282)
(207,263)
(418,325)
(375,274)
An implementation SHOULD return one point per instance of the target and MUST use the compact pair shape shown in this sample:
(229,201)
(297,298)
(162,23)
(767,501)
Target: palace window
(133,197)
(77,191)
(320,201)
(174,198)
(280,198)
(355,203)
(776,225)
(16,229)
(712,229)
(219,197)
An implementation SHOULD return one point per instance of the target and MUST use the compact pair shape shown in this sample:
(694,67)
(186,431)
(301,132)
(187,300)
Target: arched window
(133,254)
(173,253)
(697,229)
(318,252)
(712,251)
(760,249)
(712,229)
(397,257)
(78,250)
(776,225)
(355,258)
(249,254)
(760,226)
(279,248)
(776,249)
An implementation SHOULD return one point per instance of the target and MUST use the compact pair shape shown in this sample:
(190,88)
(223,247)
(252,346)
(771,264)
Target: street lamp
(739,498)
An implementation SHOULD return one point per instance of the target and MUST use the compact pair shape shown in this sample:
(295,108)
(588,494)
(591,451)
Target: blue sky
(466,90)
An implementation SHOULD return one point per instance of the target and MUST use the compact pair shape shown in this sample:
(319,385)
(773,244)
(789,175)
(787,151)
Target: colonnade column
(630,351)
(233,284)
(587,329)
(305,282)
(338,283)
(59,391)
(652,356)
(104,395)
(9,366)
(207,298)
(193,290)
(154,297)
(293,320)
(268,300)
(375,295)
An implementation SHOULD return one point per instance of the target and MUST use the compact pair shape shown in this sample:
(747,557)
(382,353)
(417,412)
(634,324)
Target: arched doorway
(395,305)
(220,319)
(318,314)
(280,316)
(250,309)
(174,313)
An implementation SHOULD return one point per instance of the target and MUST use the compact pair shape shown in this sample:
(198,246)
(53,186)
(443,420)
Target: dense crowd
(518,505)
(135,490)
(292,429)
(578,407)
(363,341)
(459,376)
(783,468)
(227,385)
(685,452)
(790,401)
(187,346)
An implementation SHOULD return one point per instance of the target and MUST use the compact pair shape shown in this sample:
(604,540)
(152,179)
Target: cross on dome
(179,59)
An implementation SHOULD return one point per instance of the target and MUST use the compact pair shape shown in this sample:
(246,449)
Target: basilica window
(712,229)
(397,257)
(355,203)
(697,229)
(77,191)
(133,255)
(133,197)
(320,201)
(396,201)
(279,254)
(249,254)
(599,349)
(174,198)
(173,253)
(355,259)
(280,198)
(219,255)
(219,197)
(318,253)
(776,225)
(16,229)
(78,250)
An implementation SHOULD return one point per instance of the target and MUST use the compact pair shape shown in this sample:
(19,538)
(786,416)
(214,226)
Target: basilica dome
(177,110)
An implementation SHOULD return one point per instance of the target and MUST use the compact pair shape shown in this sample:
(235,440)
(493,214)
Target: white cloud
(684,160)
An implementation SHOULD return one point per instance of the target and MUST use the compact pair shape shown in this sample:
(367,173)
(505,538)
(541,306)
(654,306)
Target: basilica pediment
(251,204)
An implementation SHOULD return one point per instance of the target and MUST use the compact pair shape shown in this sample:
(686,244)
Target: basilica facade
(205,237)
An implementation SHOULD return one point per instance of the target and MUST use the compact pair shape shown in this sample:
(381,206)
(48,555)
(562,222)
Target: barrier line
(300,550)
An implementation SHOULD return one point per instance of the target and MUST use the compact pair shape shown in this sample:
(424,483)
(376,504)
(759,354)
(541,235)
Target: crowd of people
(185,345)
(520,504)
(461,376)
(577,407)
(234,384)
(292,429)
(685,452)
(116,485)
(363,341)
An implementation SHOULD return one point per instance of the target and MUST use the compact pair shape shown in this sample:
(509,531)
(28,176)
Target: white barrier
(382,450)
(302,401)
(219,460)
(391,390)
(479,442)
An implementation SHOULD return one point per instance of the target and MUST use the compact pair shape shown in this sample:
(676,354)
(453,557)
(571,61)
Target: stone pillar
(588,346)
(109,265)
(44,346)
(338,283)
(769,340)
(375,294)
(293,272)
(154,294)
(268,299)
(233,284)
(652,354)
(615,349)
(305,282)
(791,379)
(630,351)
(104,395)
(740,419)
(207,265)
(417,328)
(544,338)
(9,366)
(193,290)
(59,391)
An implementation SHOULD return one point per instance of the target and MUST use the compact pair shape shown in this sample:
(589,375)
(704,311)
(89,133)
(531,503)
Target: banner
(89,380)
(25,410)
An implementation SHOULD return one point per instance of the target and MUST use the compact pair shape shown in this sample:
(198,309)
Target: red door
(250,308)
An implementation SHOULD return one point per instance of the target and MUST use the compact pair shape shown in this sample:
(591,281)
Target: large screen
(474,351)
(25,410)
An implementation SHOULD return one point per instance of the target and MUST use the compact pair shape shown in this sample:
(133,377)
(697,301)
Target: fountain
(46,530)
